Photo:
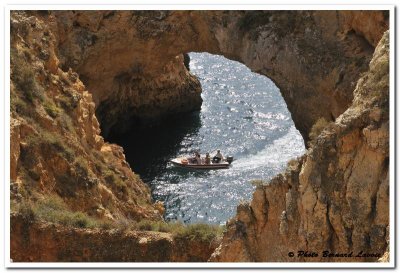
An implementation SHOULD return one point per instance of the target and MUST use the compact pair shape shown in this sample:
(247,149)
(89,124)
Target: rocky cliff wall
(56,147)
(335,198)
(126,57)
(129,66)
(44,242)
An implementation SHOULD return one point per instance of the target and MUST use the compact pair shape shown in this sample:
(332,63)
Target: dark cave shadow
(149,147)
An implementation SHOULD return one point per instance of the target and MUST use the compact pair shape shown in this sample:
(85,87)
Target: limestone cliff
(336,197)
(72,194)
(56,147)
(46,242)
(127,59)
(133,58)
(73,72)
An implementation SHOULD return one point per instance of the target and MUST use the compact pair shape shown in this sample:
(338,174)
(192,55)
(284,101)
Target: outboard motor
(229,159)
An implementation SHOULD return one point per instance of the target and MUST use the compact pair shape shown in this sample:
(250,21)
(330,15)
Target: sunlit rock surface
(336,197)
(133,58)
(128,65)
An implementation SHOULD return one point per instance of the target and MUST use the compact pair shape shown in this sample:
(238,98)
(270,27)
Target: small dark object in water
(229,159)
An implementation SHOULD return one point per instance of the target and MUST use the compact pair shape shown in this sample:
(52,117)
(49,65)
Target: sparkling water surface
(244,115)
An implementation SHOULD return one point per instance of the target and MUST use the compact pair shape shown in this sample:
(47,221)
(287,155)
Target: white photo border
(6,119)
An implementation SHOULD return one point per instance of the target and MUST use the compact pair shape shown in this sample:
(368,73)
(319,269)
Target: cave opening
(243,114)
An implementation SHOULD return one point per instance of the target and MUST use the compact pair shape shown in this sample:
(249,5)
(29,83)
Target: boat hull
(211,166)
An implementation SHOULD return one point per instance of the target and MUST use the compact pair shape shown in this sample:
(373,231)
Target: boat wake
(274,154)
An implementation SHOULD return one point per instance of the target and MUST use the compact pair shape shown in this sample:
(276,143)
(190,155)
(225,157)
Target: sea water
(244,115)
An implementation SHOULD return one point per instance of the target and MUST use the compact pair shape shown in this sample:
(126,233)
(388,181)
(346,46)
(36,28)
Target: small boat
(185,163)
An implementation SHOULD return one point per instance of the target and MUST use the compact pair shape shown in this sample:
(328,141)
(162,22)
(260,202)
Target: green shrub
(26,211)
(316,129)
(69,100)
(147,225)
(161,226)
(114,180)
(81,220)
(20,106)
(51,109)
(109,175)
(81,165)
(53,209)
(53,202)
(121,185)
(24,78)
(198,231)
(52,141)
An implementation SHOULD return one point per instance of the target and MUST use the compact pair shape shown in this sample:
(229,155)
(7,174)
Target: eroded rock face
(122,56)
(129,65)
(126,57)
(44,242)
(55,136)
(336,197)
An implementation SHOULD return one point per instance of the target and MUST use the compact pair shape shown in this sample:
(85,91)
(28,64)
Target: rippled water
(244,115)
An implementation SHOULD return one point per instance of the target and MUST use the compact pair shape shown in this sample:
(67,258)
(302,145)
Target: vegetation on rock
(63,172)
(316,130)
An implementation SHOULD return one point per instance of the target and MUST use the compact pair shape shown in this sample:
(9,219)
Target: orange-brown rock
(56,147)
(67,67)
(129,58)
(43,242)
(335,198)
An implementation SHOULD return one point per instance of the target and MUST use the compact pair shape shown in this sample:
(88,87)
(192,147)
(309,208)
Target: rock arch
(336,197)
(132,60)
(317,59)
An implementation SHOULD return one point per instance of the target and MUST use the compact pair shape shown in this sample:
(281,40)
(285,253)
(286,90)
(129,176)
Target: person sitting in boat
(218,157)
(208,159)
(193,159)
(198,158)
